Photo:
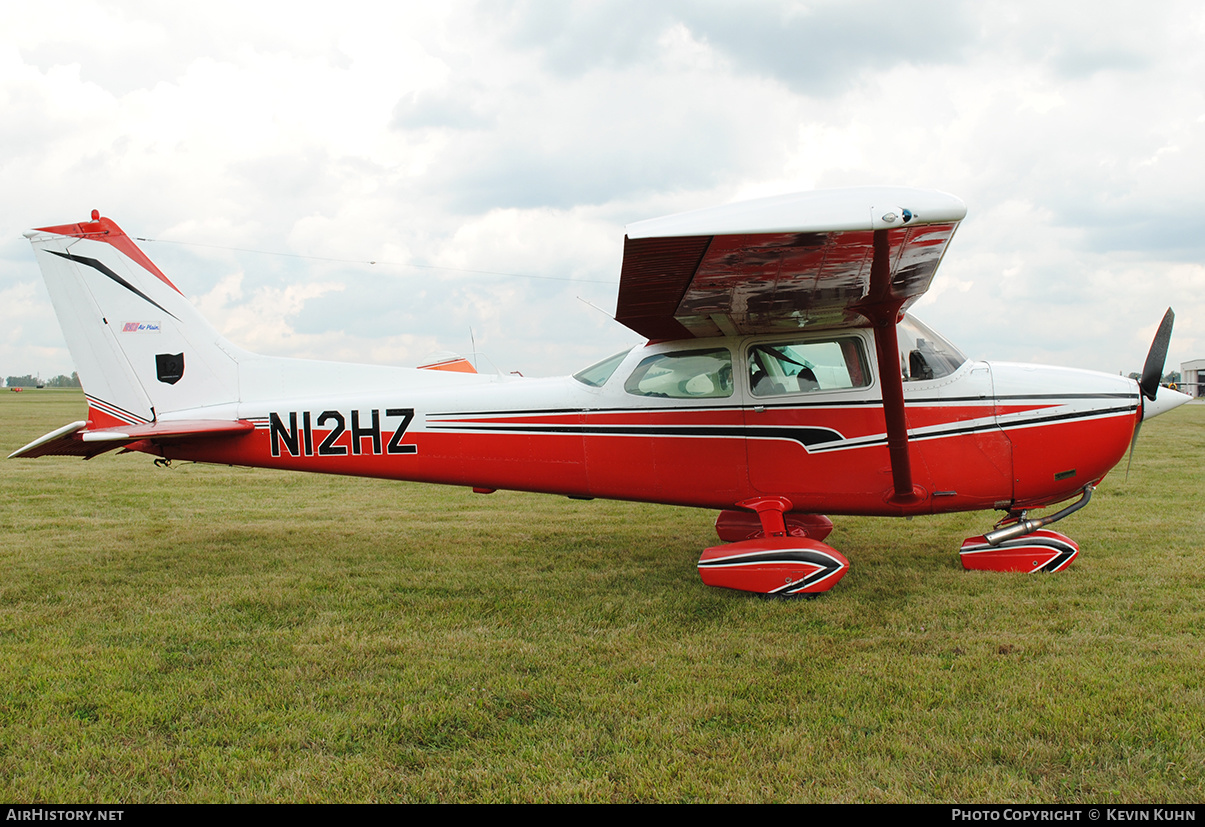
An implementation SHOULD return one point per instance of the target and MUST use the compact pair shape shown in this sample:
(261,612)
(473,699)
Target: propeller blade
(1152,371)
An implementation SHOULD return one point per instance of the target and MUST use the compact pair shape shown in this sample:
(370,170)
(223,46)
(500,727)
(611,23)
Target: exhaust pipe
(1023,527)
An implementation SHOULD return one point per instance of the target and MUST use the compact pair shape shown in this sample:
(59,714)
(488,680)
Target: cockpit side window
(801,367)
(691,374)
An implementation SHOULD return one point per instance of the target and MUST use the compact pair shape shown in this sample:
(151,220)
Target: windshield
(923,353)
(597,374)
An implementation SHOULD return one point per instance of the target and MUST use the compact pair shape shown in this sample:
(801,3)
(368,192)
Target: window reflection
(693,374)
(802,367)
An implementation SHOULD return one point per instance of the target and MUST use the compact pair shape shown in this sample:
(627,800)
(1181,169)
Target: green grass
(221,634)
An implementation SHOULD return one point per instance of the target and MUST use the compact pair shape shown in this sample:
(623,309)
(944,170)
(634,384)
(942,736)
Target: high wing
(783,263)
(824,259)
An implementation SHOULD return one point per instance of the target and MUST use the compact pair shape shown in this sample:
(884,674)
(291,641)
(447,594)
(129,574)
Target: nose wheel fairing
(1043,550)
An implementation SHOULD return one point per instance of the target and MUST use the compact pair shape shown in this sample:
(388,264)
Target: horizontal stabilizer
(58,443)
(75,440)
(454,364)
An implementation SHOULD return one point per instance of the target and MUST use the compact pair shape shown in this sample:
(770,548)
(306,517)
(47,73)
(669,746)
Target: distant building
(1192,375)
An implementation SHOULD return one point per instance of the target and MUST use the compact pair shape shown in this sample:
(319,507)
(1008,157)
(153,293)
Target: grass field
(224,634)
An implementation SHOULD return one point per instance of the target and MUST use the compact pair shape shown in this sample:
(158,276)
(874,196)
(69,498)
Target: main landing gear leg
(1020,544)
(775,562)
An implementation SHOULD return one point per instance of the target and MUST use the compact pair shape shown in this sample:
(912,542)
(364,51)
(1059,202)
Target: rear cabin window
(802,367)
(692,374)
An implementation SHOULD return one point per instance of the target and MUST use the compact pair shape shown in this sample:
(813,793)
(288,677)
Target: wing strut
(882,308)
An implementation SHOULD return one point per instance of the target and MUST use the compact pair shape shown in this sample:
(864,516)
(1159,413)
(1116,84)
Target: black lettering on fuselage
(358,433)
(279,434)
(328,448)
(307,434)
(300,441)
(395,442)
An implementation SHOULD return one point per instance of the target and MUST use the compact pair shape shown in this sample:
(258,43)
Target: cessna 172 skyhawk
(782,380)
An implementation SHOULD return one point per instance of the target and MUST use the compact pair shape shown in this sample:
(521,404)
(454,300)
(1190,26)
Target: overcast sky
(272,150)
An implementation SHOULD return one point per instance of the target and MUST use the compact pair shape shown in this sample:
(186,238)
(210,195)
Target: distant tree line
(28,381)
(1172,378)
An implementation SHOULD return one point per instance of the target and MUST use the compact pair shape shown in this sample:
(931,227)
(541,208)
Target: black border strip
(100,405)
(100,267)
(983,400)
(818,438)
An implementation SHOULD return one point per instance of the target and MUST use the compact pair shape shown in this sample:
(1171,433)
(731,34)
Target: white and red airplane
(782,380)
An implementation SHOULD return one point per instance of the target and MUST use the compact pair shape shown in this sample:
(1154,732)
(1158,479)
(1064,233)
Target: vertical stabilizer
(140,347)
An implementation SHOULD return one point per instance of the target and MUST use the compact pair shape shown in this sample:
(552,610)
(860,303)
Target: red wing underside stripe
(676,287)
